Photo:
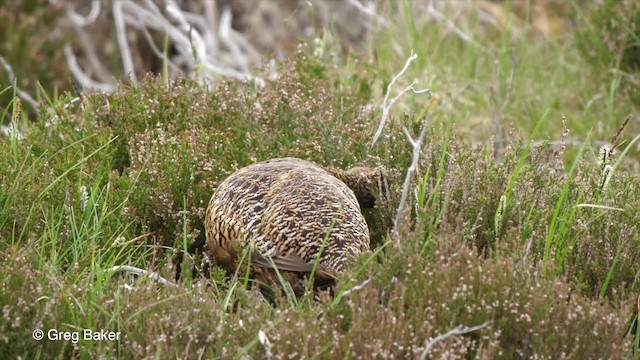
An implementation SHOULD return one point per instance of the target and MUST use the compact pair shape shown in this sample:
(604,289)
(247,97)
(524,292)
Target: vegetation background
(518,237)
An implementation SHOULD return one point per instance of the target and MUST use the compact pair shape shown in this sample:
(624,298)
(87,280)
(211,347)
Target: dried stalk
(386,104)
(206,45)
(417,147)
(141,272)
(456,331)
(82,21)
(355,288)
(123,44)
(21,93)
(81,77)
(498,111)
(441,18)
(369,10)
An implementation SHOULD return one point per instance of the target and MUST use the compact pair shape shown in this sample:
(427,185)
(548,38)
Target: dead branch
(348,293)
(157,52)
(386,104)
(441,18)
(82,21)
(497,110)
(123,44)
(560,143)
(83,79)
(456,331)
(21,93)
(417,147)
(206,46)
(141,272)
(635,80)
(369,10)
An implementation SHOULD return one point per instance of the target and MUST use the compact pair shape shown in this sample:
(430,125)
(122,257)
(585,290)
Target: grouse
(291,213)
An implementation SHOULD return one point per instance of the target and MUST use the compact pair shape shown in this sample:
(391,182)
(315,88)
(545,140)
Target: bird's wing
(290,262)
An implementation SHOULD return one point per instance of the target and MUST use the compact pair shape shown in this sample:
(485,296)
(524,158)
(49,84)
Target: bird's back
(289,210)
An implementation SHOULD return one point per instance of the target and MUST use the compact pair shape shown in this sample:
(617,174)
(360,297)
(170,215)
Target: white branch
(497,96)
(386,104)
(82,78)
(141,272)
(211,14)
(22,94)
(202,24)
(226,38)
(354,289)
(89,52)
(123,43)
(369,10)
(438,16)
(159,53)
(82,21)
(456,331)
(153,275)
(417,147)
(207,47)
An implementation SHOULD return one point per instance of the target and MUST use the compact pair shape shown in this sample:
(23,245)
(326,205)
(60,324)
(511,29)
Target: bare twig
(211,13)
(438,16)
(448,102)
(635,80)
(11,130)
(159,53)
(141,272)
(353,289)
(226,37)
(82,21)
(82,78)
(386,104)
(369,10)
(523,261)
(153,275)
(206,47)
(417,147)
(121,32)
(89,50)
(537,144)
(498,109)
(515,64)
(22,94)
(456,331)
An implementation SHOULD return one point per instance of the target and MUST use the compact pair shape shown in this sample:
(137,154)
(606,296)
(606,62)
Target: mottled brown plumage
(284,209)
(367,184)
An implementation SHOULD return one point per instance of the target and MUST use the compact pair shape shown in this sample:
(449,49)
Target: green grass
(560,221)
(528,242)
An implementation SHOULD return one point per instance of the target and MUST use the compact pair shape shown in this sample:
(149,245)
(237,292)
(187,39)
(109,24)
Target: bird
(292,215)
